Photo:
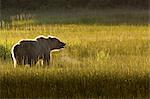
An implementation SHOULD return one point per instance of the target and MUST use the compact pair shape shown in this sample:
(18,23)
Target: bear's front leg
(31,61)
(46,60)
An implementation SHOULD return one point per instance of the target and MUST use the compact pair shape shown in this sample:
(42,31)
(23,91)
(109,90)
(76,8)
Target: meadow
(107,54)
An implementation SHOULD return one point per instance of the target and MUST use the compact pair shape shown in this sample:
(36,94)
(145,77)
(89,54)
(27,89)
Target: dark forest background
(94,4)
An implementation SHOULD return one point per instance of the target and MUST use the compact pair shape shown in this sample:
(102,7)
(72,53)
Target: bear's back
(28,42)
(26,47)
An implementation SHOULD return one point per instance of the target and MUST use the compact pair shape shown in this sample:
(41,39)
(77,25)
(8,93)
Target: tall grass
(74,82)
(99,60)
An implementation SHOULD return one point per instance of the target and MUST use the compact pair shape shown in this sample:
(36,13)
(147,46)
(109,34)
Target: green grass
(106,56)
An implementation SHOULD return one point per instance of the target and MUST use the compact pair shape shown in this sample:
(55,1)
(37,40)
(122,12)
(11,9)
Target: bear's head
(55,43)
(50,43)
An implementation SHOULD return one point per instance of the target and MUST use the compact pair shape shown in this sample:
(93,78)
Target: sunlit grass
(99,60)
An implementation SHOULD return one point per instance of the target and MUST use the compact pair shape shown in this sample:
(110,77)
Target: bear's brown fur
(30,51)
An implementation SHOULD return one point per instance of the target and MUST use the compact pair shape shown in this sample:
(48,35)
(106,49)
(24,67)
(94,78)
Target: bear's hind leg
(19,61)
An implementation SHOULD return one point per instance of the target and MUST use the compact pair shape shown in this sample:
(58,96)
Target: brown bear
(31,51)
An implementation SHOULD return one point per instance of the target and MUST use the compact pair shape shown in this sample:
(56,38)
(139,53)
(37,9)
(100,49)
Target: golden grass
(99,61)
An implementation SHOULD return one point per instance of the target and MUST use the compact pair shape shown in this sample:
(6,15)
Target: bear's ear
(40,39)
(49,37)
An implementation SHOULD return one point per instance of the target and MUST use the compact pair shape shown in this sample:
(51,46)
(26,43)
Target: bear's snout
(62,45)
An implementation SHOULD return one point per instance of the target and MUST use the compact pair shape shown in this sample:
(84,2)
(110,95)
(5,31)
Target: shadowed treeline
(37,4)
(74,16)
(74,12)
